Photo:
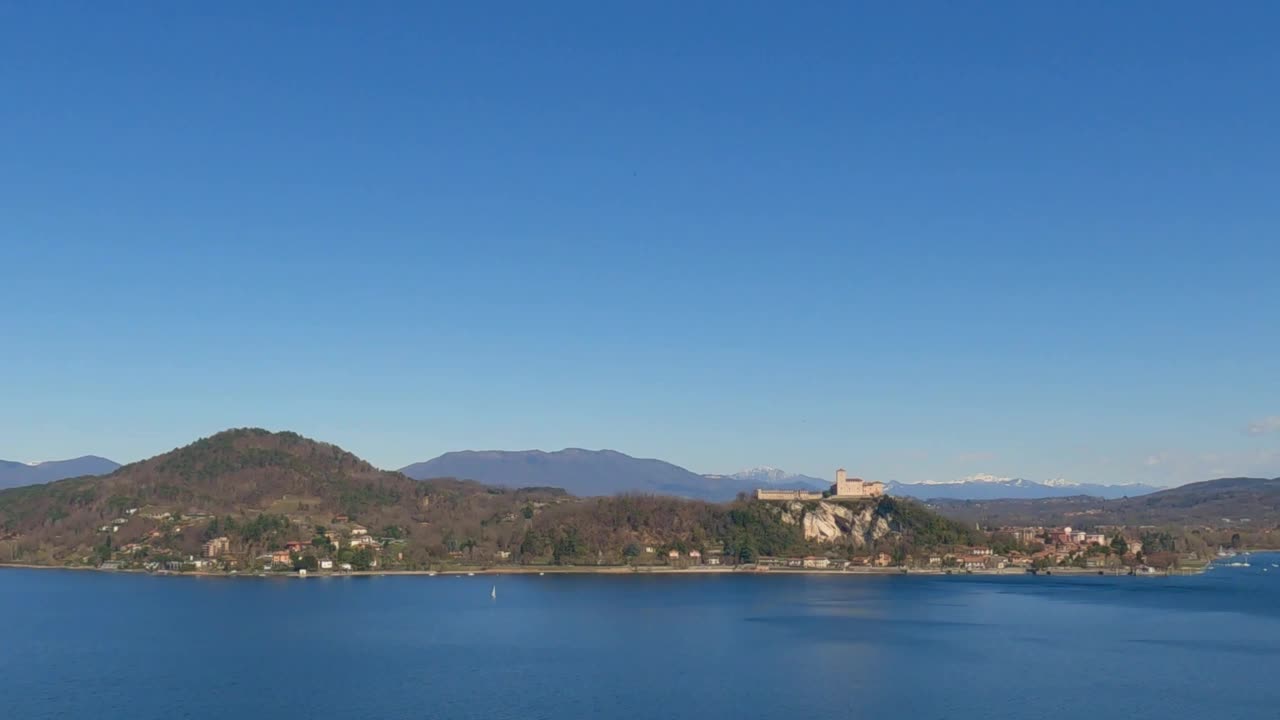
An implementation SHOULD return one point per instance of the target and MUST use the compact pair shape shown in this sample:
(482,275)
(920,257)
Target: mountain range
(1225,502)
(608,472)
(993,487)
(594,473)
(17,474)
(773,477)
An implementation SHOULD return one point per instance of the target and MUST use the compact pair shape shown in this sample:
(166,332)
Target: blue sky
(920,242)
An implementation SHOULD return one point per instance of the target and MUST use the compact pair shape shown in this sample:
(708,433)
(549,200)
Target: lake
(106,646)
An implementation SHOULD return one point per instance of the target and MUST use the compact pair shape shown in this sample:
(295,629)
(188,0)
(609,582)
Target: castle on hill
(845,488)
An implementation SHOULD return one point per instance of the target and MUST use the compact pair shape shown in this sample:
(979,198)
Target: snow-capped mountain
(772,476)
(985,486)
(979,479)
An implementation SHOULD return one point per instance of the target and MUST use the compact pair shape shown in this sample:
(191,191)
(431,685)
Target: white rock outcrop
(835,521)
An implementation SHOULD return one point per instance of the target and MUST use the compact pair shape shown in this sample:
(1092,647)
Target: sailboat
(494,592)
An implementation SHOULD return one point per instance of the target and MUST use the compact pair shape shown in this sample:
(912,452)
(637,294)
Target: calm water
(80,645)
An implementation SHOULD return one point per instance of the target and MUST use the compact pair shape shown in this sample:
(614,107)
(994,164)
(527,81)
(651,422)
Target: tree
(567,545)
(362,559)
(1120,545)
(306,562)
(899,554)
(102,553)
(631,551)
(1235,541)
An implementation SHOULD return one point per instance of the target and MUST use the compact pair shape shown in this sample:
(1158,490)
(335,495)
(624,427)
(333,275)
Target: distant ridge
(1224,502)
(578,471)
(774,477)
(17,474)
(993,487)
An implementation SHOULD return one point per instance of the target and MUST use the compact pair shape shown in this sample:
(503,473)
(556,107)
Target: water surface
(106,646)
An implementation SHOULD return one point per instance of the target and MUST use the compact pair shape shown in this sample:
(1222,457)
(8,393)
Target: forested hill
(275,491)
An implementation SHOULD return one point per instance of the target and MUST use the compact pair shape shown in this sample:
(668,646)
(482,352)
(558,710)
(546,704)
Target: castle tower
(840,477)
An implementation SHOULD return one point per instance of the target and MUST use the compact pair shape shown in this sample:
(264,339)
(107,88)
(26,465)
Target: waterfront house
(816,562)
(713,560)
(673,555)
(326,564)
(695,557)
(359,530)
(281,557)
(345,567)
(363,541)
(980,551)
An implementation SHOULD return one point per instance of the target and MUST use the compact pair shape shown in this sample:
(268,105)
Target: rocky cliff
(860,524)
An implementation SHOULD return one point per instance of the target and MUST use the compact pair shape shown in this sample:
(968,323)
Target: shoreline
(624,570)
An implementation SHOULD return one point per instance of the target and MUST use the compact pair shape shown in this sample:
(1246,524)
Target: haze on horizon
(920,243)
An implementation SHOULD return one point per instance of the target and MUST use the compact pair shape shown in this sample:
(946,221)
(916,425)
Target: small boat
(471,574)
(494,592)
(1238,564)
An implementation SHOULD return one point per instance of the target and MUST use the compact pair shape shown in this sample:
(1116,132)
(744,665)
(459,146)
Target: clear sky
(918,240)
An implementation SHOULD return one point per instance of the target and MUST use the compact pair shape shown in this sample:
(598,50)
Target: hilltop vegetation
(270,492)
